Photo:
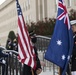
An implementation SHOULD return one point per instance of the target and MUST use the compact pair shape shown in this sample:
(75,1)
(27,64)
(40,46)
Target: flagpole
(60,71)
(68,71)
(32,71)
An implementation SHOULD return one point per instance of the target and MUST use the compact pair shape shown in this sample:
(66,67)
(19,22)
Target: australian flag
(61,43)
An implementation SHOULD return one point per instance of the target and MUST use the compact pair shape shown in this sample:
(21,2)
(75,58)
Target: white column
(43,9)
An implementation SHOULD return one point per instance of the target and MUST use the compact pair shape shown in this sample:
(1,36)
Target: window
(68,3)
(75,2)
(29,18)
(26,19)
(26,5)
(23,6)
(56,5)
(29,4)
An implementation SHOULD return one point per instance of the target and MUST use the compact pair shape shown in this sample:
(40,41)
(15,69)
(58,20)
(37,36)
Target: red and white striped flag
(25,48)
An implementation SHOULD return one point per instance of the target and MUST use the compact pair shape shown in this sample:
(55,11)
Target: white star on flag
(63,57)
(59,42)
(68,57)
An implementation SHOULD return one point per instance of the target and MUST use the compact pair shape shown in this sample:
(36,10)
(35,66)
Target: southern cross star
(68,57)
(63,57)
(59,42)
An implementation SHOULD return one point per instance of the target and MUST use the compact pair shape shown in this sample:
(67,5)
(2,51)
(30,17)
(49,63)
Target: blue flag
(61,43)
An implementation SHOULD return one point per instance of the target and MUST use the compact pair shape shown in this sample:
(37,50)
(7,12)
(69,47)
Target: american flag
(61,44)
(25,48)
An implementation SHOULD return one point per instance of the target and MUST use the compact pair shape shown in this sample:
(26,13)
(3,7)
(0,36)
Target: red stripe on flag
(24,39)
(21,46)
